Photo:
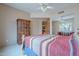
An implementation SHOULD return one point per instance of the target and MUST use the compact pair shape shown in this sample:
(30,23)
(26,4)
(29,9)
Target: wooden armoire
(23,27)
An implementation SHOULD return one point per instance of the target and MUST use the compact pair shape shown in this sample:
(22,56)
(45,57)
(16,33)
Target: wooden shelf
(45,26)
(23,27)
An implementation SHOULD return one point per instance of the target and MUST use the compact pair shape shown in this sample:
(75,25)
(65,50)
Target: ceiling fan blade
(49,7)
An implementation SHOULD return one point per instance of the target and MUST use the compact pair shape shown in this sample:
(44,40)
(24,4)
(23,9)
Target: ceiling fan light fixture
(44,6)
(43,9)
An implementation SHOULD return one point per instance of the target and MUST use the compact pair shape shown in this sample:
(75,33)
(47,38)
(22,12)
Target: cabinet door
(23,27)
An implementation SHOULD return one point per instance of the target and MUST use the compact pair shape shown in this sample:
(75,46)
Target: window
(65,26)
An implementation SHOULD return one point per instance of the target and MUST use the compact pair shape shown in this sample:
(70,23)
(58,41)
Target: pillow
(65,33)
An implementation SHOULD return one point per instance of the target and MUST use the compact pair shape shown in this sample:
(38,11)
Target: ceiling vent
(60,12)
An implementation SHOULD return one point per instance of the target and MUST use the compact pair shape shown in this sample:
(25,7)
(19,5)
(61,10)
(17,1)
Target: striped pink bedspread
(75,43)
(60,46)
(28,40)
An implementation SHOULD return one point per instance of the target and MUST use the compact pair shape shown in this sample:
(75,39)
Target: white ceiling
(33,7)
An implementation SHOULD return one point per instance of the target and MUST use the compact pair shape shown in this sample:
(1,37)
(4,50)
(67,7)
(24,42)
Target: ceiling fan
(44,7)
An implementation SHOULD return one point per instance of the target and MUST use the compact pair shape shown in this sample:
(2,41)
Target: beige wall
(8,25)
(37,25)
(55,27)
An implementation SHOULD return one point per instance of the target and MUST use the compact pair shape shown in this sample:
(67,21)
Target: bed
(50,45)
